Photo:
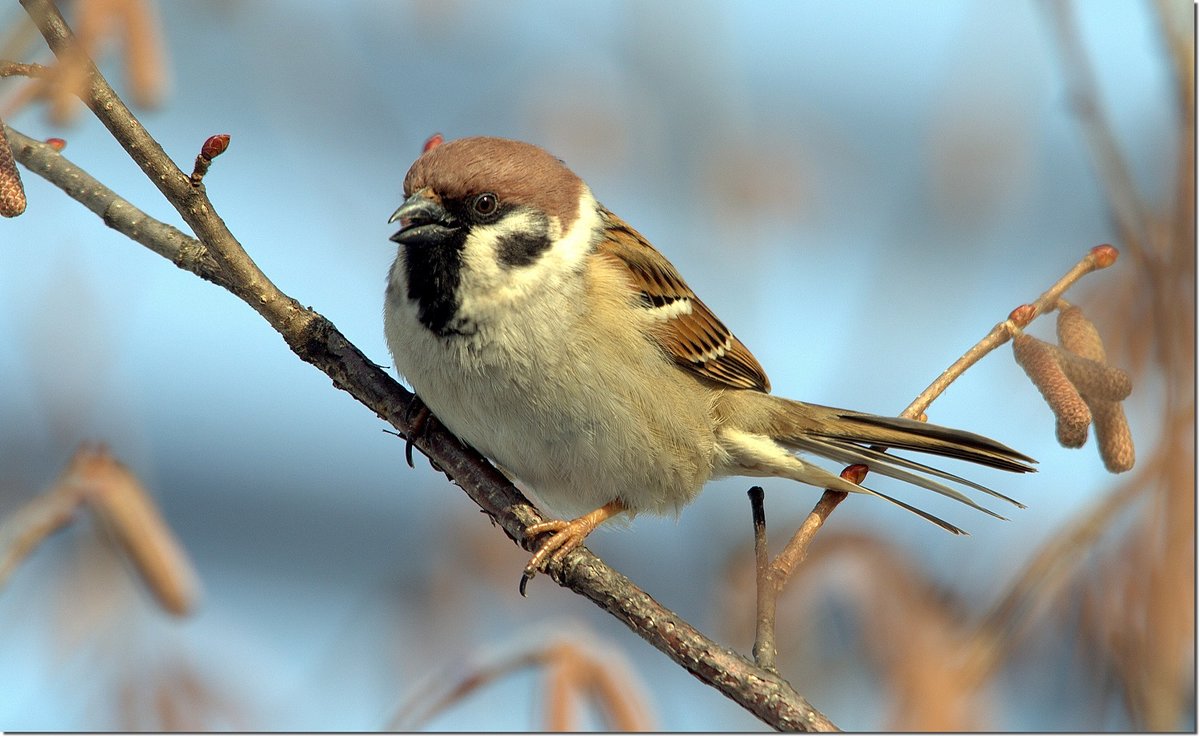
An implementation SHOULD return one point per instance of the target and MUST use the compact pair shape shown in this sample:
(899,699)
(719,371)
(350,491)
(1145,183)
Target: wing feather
(690,332)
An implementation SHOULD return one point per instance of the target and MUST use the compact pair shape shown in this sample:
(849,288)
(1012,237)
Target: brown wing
(690,332)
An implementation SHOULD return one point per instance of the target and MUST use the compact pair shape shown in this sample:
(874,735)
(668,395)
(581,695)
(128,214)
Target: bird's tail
(849,437)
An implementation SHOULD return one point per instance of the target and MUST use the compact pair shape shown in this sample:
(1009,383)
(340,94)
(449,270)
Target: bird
(543,330)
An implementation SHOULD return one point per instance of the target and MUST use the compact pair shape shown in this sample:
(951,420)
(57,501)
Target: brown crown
(518,173)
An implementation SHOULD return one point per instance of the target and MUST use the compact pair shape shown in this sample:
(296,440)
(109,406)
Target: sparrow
(547,333)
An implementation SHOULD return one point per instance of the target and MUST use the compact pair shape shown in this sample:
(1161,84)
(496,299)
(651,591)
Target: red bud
(215,146)
(58,144)
(433,142)
(1022,315)
(1105,255)
(855,473)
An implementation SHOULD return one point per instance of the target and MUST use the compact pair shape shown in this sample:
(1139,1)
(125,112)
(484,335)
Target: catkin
(1071,413)
(1102,389)
(12,193)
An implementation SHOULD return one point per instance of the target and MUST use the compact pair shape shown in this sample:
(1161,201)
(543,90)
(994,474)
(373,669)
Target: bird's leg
(418,425)
(567,536)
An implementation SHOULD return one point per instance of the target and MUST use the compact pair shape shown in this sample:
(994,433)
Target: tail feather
(869,455)
(893,467)
(900,432)
(922,513)
(854,437)
(797,469)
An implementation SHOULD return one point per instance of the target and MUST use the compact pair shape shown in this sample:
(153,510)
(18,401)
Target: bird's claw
(567,536)
(418,426)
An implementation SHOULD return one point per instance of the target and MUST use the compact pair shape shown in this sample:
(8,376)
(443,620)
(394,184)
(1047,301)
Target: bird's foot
(567,537)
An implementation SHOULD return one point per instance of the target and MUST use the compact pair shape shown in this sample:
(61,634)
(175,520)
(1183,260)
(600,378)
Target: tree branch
(217,256)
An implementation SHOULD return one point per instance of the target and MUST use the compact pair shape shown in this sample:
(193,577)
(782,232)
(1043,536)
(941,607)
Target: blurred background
(861,190)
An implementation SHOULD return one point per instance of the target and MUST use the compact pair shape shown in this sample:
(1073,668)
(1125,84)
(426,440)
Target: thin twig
(117,213)
(764,631)
(1099,257)
(23,530)
(21,69)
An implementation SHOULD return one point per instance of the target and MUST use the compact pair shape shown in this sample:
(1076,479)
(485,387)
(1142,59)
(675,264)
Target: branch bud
(215,146)
(855,473)
(1022,315)
(1104,256)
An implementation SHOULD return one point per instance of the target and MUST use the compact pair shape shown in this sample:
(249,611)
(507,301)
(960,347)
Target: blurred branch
(1128,210)
(93,477)
(20,69)
(23,530)
(1050,569)
(572,668)
(1173,27)
(217,256)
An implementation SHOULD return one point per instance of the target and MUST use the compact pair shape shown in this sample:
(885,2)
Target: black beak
(423,222)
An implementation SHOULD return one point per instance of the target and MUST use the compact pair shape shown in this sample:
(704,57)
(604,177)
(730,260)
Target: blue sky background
(859,189)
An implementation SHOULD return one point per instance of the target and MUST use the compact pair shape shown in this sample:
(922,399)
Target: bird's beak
(423,221)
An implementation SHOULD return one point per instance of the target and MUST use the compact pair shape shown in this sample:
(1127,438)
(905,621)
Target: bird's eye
(485,205)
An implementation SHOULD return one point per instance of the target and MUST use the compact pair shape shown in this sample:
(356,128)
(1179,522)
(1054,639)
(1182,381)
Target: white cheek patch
(489,286)
(482,268)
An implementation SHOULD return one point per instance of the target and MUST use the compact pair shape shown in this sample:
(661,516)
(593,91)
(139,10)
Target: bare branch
(19,69)
(314,339)
(1100,257)
(182,250)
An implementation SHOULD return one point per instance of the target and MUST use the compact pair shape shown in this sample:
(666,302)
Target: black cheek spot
(521,249)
